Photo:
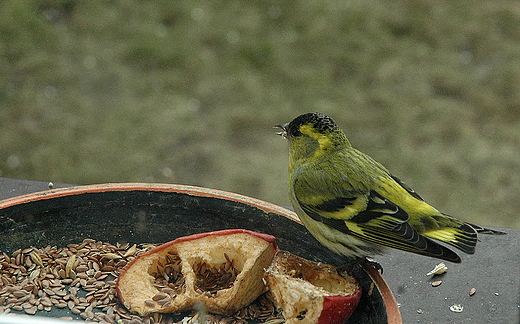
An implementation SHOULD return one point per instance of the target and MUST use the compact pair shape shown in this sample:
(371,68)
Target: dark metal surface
(494,271)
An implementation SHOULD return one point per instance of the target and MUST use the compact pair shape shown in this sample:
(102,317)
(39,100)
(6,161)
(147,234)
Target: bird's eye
(294,131)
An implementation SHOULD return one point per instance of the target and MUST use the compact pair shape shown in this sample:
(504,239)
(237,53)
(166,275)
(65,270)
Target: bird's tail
(463,237)
(482,230)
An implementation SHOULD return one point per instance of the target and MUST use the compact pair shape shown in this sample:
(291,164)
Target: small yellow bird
(354,206)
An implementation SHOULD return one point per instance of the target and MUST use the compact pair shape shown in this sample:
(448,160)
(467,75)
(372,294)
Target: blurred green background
(187,91)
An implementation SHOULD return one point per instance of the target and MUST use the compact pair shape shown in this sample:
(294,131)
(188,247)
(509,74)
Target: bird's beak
(283,128)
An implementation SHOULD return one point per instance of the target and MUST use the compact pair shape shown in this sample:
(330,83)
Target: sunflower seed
(131,251)
(35,257)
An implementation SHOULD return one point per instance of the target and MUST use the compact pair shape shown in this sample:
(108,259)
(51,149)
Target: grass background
(187,91)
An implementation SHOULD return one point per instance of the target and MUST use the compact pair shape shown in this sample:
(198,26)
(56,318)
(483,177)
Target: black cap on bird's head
(320,123)
(312,134)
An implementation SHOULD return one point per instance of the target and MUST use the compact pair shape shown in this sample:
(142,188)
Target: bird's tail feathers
(405,239)
(483,230)
(463,237)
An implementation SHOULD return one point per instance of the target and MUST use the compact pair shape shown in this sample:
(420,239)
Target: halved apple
(223,270)
(311,292)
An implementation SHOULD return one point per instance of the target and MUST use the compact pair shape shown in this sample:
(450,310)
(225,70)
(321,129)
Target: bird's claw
(349,267)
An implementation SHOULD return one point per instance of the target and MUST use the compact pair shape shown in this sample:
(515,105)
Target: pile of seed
(80,280)
(168,280)
(211,279)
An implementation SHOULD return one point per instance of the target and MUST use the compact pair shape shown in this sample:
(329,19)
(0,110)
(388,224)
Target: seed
(436,283)
(107,268)
(168,291)
(70,266)
(31,310)
(49,292)
(110,256)
(457,308)
(149,303)
(13,288)
(227,257)
(165,303)
(131,251)
(90,314)
(275,321)
(45,301)
(35,257)
(28,262)
(24,299)
(81,268)
(439,269)
(120,264)
(61,293)
(159,296)
(19,293)
(472,291)
(98,284)
(62,273)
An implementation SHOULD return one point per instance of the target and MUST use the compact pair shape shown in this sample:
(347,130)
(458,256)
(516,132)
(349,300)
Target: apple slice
(223,270)
(311,292)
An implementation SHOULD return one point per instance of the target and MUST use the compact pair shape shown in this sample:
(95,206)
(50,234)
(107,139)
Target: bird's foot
(349,267)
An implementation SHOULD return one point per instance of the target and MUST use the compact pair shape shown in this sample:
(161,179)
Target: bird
(355,207)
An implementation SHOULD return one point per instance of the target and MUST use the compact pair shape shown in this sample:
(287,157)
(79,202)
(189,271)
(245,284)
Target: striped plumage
(354,206)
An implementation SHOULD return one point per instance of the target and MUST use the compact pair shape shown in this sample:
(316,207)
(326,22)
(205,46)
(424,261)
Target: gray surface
(493,270)
(14,187)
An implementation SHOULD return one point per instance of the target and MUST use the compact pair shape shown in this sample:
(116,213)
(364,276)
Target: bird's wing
(372,218)
(433,224)
(407,188)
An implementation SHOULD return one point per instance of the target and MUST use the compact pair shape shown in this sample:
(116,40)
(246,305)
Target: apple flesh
(223,270)
(311,292)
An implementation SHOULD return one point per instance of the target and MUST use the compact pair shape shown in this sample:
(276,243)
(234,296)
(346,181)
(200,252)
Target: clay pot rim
(393,314)
(162,187)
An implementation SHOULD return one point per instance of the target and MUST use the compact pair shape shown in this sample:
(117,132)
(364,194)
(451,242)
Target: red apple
(222,269)
(311,292)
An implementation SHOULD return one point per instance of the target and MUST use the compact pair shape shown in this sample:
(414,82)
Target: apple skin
(265,237)
(311,292)
(337,309)
(253,251)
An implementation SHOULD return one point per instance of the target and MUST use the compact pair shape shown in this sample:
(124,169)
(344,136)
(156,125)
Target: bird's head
(312,135)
